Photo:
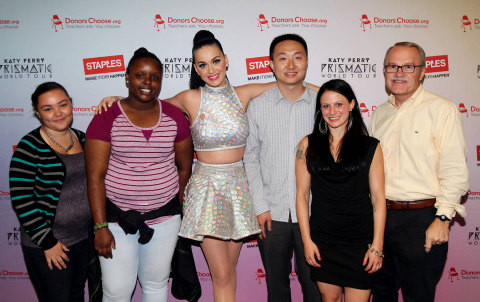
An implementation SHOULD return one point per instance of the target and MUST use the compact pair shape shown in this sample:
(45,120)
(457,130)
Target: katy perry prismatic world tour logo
(348,68)
(25,68)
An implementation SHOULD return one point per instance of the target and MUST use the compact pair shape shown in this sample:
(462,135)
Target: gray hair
(421,52)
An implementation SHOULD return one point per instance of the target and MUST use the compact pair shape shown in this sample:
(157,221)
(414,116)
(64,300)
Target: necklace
(57,143)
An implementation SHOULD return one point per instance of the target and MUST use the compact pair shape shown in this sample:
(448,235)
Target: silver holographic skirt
(218,204)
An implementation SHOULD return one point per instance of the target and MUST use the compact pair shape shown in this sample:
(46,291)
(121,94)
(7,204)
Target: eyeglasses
(408,68)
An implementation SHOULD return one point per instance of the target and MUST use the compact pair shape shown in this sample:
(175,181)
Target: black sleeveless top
(341,210)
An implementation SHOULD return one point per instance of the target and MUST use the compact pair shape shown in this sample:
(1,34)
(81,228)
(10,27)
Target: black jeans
(65,285)
(406,264)
(277,250)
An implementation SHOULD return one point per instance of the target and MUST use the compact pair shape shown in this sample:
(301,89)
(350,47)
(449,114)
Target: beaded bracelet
(375,252)
(99,226)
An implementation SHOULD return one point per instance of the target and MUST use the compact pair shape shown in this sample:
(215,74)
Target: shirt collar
(306,96)
(414,99)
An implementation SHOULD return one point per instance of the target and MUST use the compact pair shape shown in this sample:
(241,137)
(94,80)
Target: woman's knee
(117,288)
(224,275)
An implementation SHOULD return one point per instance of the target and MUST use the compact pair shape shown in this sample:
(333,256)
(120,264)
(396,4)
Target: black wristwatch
(442,217)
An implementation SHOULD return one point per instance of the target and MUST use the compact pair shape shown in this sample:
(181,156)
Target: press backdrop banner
(85,46)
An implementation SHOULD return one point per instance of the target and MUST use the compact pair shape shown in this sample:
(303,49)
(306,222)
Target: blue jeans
(151,262)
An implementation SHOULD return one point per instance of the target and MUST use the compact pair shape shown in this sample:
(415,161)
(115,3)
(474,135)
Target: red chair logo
(466,22)
(365,21)
(462,109)
(364,109)
(158,21)
(260,274)
(262,21)
(452,273)
(56,21)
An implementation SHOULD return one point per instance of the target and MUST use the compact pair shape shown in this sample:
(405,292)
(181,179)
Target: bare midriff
(227,156)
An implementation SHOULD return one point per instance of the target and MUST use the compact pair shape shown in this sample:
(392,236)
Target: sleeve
(251,160)
(25,203)
(183,126)
(452,164)
(101,125)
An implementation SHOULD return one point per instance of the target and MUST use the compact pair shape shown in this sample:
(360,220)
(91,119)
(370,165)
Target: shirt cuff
(449,209)
(261,208)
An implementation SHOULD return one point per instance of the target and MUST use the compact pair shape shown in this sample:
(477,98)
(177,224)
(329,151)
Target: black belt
(132,221)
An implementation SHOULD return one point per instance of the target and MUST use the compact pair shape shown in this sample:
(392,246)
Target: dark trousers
(65,285)
(276,251)
(406,264)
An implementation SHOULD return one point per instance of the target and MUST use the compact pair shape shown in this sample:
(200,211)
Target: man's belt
(410,205)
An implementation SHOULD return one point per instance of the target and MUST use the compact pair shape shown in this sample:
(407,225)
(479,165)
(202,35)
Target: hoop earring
(350,121)
(322,130)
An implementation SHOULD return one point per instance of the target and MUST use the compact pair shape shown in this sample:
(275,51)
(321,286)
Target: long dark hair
(202,38)
(352,146)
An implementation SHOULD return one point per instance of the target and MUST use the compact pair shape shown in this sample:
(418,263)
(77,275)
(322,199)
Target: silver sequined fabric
(221,122)
(218,204)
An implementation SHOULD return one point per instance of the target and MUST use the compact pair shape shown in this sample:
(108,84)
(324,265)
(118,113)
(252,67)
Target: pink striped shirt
(141,173)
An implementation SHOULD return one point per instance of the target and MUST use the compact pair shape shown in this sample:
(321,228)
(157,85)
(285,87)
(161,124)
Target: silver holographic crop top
(221,122)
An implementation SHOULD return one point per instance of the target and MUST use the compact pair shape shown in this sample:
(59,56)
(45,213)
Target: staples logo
(436,64)
(252,244)
(258,65)
(436,67)
(258,68)
(103,65)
